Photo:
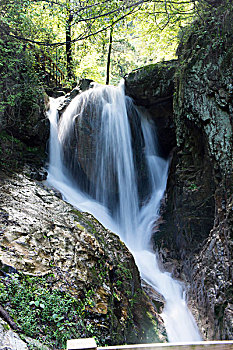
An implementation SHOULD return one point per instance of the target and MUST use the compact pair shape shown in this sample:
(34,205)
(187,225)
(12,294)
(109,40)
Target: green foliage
(149,36)
(8,146)
(193,186)
(20,89)
(50,315)
(14,153)
(143,33)
(6,137)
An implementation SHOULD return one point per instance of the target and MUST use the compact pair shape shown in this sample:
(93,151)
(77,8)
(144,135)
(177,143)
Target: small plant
(193,187)
(49,315)
(122,270)
(119,283)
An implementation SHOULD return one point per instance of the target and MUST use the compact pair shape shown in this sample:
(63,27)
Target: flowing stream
(104,160)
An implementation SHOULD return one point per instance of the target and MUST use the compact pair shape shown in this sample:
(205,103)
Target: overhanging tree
(62,23)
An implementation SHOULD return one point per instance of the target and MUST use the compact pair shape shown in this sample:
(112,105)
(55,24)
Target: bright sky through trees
(76,33)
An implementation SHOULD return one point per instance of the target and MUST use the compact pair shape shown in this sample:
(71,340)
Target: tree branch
(4,314)
(79,38)
(110,12)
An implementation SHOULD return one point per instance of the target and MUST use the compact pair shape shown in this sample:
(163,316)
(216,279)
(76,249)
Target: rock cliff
(195,237)
(156,94)
(203,116)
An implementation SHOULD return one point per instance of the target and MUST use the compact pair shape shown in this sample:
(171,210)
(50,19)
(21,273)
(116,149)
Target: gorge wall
(194,239)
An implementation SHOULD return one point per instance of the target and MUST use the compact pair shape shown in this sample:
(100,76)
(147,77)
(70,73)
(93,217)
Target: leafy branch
(129,6)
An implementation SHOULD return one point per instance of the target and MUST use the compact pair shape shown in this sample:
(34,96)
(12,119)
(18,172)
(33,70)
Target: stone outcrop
(9,339)
(195,234)
(153,87)
(71,253)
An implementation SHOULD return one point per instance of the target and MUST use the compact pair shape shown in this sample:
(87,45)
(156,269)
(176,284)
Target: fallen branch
(4,314)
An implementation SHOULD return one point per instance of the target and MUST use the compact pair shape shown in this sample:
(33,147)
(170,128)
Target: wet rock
(38,174)
(85,84)
(154,296)
(65,101)
(59,93)
(75,92)
(153,87)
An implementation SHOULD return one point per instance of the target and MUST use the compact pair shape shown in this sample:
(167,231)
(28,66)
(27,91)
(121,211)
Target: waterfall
(104,160)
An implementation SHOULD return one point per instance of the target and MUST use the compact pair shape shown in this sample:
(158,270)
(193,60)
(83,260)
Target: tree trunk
(69,59)
(109,55)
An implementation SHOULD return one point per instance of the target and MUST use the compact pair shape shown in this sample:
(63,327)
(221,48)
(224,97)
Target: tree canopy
(85,36)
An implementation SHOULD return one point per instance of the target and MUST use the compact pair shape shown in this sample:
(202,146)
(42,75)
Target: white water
(132,215)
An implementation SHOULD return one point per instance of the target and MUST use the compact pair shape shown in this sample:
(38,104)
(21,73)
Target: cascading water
(94,165)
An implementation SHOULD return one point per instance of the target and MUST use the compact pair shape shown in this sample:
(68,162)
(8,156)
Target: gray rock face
(153,87)
(199,197)
(41,236)
(195,233)
(10,340)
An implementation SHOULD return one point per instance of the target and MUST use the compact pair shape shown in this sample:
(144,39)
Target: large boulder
(84,123)
(152,87)
(62,270)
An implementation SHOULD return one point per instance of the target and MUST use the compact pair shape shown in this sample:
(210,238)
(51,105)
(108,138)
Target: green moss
(148,324)
(123,272)
(80,227)
(49,315)
(162,70)
(84,223)
(6,327)
(77,212)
